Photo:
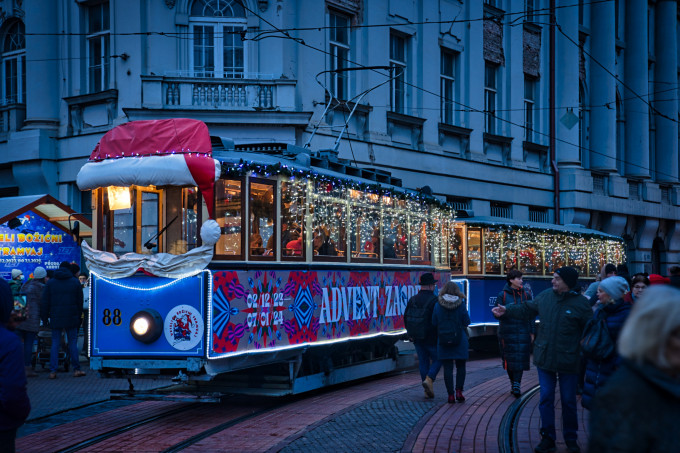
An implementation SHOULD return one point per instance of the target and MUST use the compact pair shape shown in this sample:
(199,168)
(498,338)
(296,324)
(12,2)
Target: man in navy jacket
(14,403)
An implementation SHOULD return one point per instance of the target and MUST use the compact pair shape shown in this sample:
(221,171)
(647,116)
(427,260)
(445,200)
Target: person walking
(62,308)
(639,408)
(563,312)
(29,328)
(614,310)
(451,318)
(515,335)
(421,332)
(14,403)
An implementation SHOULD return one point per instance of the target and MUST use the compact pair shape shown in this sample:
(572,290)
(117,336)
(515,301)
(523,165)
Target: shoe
(428,386)
(547,445)
(78,373)
(572,446)
(452,399)
(30,372)
(53,375)
(459,395)
(516,389)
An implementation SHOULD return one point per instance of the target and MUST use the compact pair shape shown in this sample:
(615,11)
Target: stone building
(454,94)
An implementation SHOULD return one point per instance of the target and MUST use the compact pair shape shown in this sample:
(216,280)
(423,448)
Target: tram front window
(128,226)
(228,212)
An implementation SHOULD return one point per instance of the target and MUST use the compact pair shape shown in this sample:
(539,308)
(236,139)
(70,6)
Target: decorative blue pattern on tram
(303,307)
(222,311)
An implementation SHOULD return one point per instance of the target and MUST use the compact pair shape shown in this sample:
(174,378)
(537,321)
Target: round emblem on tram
(183,327)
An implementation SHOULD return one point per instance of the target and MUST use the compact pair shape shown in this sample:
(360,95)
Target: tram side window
(492,250)
(329,217)
(555,252)
(440,242)
(577,253)
(228,213)
(474,252)
(262,215)
(420,244)
(364,226)
(456,249)
(510,247)
(530,256)
(292,220)
(395,242)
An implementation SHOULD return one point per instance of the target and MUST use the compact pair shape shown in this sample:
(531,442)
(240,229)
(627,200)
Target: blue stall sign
(180,304)
(37,242)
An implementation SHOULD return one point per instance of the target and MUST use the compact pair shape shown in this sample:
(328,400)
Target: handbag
(596,343)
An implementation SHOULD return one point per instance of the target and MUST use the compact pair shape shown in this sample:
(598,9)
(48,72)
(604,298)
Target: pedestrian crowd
(50,302)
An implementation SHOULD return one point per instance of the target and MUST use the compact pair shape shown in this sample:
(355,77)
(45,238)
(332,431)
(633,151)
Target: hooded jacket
(448,311)
(62,301)
(599,371)
(637,412)
(14,403)
(563,317)
(514,335)
(33,290)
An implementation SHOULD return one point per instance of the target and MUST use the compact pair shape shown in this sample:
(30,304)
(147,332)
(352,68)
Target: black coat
(514,335)
(425,297)
(62,300)
(637,412)
(598,371)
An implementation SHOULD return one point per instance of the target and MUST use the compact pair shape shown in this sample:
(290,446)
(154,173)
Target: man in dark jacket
(62,308)
(14,403)
(426,347)
(563,313)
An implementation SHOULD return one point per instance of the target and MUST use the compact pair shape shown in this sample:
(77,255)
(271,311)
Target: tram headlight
(146,325)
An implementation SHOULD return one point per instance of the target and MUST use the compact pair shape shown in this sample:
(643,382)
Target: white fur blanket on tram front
(109,265)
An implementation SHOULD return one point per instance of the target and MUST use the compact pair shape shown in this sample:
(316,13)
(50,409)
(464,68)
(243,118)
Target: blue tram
(272,269)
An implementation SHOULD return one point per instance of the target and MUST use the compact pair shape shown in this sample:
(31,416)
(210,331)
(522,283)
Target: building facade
(485,102)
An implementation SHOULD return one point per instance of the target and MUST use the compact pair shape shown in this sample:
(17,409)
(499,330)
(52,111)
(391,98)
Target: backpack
(418,320)
(449,329)
(596,342)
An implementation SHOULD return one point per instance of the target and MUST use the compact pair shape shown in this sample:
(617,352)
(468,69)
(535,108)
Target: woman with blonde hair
(451,318)
(638,409)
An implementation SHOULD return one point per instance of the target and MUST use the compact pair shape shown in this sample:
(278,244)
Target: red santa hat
(155,152)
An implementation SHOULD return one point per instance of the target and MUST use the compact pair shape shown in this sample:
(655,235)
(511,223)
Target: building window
(501,210)
(216,28)
(339,55)
(538,215)
(14,64)
(398,73)
(490,92)
(98,39)
(448,68)
(529,109)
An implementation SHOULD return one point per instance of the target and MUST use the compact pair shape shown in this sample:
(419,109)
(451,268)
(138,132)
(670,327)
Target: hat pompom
(210,232)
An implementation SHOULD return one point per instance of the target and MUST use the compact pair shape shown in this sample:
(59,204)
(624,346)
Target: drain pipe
(553,131)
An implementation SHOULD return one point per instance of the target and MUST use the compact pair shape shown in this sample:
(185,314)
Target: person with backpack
(515,335)
(451,318)
(421,332)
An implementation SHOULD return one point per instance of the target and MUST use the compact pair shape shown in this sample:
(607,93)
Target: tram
(483,249)
(265,268)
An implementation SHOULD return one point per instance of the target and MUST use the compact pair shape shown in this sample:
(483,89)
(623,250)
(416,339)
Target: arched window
(14,64)
(216,27)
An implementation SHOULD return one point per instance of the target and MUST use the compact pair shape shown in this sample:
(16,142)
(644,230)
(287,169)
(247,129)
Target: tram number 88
(112,317)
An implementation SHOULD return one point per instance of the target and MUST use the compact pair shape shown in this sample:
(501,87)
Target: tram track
(507,429)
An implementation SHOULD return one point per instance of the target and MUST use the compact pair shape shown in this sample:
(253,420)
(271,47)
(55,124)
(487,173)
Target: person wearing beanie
(15,283)
(563,313)
(29,328)
(614,310)
(14,403)
(62,309)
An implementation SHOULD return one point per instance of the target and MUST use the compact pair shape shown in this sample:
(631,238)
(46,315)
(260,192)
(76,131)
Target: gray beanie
(39,272)
(616,287)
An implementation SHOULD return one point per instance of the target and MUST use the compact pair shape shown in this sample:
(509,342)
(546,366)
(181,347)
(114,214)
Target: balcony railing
(217,93)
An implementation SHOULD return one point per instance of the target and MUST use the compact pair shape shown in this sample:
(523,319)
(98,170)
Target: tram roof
(324,162)
(536,226)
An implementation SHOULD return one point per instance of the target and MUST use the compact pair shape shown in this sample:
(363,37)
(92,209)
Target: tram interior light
(146,325)
(119,198)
